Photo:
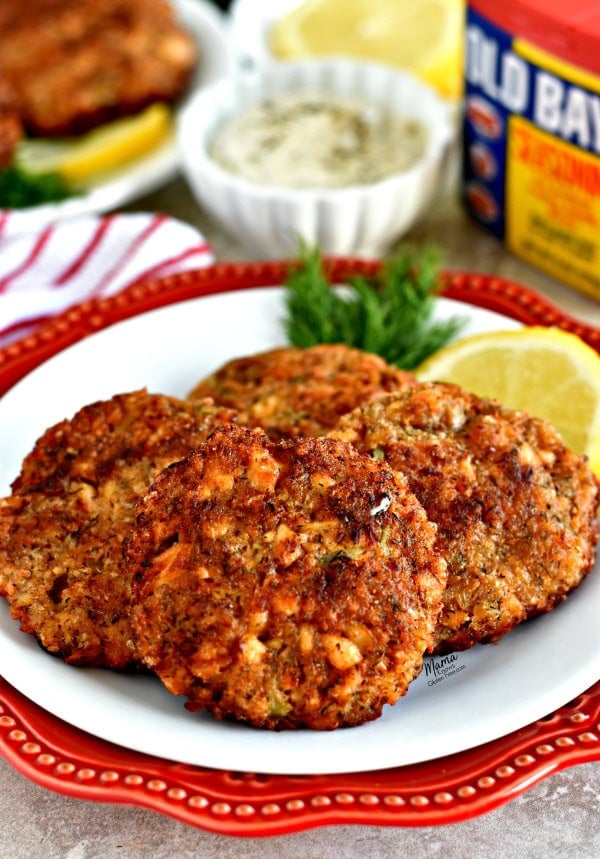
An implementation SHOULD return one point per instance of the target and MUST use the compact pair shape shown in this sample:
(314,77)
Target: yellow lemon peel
(106,148)
(547,372)
(423,37)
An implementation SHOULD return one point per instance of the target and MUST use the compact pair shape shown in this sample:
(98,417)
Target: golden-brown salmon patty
(284,583)
(292,391)
(63,528)
(74,65)
(515,509)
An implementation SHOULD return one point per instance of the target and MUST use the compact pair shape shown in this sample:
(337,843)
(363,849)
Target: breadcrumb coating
(61,563)
(515,508)
(284,584)
(292,391)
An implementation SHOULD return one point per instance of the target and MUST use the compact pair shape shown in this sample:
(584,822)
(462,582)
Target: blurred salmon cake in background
(515,508)
(11,127)
(283,584)
(72,66)
(293,391)
(62,529)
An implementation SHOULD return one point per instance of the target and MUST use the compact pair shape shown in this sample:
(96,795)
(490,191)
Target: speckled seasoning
(317,140)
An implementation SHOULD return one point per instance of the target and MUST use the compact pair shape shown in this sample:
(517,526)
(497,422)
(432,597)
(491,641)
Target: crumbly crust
(283,584)
(61,565)
(292,391)
(515,509)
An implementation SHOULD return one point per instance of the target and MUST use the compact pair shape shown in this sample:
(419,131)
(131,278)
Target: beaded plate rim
(66,760)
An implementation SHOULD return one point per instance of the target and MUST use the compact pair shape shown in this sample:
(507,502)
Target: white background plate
(456,703)
(204,22)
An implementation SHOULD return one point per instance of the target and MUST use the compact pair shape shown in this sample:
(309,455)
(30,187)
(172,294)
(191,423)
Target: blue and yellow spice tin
(532,132)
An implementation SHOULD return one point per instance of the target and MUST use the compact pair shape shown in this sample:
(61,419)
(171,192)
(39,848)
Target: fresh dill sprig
(390,314)
(20,189)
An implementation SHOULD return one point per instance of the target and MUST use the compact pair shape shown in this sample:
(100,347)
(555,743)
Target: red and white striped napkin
(45,272)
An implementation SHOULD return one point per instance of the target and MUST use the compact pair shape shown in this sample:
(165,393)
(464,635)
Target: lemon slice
(105,148)
(547,372)
(421,36)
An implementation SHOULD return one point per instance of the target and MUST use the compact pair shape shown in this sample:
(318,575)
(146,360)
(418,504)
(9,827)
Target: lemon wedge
(422,36)
(548,372)
(106,148)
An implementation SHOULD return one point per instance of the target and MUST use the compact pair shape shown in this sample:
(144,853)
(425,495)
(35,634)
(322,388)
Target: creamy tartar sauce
(312,140)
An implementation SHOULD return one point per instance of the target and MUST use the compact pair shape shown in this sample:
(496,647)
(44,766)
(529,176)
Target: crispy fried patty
(74,65)
(284,583)
(515,509)
(292,391)
(72,504)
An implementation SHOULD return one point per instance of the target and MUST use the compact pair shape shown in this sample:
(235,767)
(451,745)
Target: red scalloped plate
(62,758)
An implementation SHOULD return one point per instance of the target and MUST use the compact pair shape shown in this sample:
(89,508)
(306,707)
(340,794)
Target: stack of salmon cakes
(515,509)
(284,584)
(62,529)
(286,545)
(70,67)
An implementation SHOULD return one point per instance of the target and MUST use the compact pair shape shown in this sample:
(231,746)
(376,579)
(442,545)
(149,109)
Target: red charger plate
(62,758)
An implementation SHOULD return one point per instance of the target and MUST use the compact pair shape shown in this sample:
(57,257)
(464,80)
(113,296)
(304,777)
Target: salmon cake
(515,509)
(283,584)
(62,529)
(11,127)
(75,65)
(292,391)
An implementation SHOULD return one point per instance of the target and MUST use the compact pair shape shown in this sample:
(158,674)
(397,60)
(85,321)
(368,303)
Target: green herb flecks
(20,189)
(390,315)
(351,553)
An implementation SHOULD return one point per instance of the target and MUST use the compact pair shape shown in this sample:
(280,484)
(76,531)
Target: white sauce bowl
(362,220)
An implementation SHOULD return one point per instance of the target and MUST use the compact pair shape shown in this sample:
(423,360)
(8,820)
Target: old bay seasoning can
(532,131)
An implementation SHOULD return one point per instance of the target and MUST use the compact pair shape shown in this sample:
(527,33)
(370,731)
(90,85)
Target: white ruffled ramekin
(362,220)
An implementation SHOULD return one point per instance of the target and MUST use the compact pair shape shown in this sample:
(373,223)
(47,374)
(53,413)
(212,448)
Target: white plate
(458,702)
(205,23)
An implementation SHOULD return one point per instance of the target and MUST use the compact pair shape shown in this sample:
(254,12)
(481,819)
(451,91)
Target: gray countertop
(558,817)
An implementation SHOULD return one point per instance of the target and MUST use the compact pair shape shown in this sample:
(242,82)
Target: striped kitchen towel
(45,272)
